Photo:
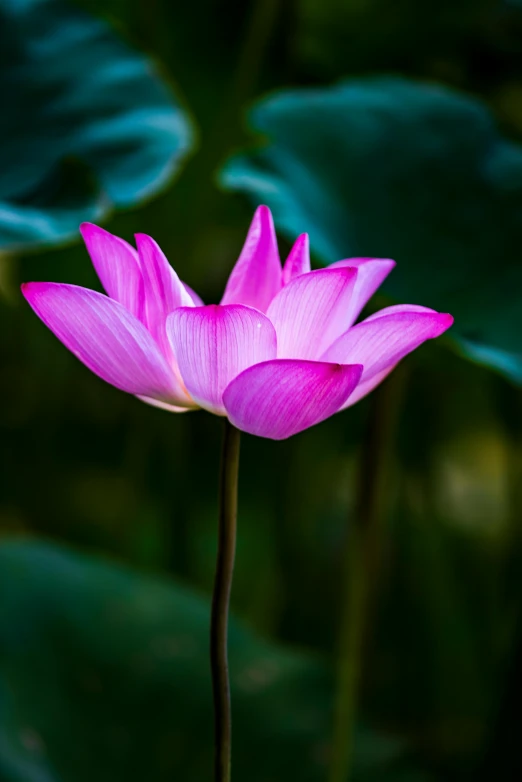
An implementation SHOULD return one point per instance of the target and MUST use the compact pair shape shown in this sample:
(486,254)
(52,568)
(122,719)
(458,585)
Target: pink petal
(298,261)
(277,399)
(381,341)
(197,300)
(117,265)
(371,274)
(165,405)
(396,309)
(364,388)
(164,291)
(110,341)
(257,276)
(311,312)
(213,344)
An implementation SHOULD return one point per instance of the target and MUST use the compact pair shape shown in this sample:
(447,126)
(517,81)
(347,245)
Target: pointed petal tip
(263,215)
(86,226)
(384,339)
(31,289)
(441,322)
(298,261)
(445,321)
(89,229)
(26,288)
(302,243)
(263,211)
(257,275)
(146,243)
(142,237)
(143,243)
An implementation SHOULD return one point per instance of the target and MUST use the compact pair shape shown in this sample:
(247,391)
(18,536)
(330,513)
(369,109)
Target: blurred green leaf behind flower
(87,123)
(105,675)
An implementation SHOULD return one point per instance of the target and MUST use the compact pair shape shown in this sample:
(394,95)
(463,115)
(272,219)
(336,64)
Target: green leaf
(87,123)
(392,168)
(104,675)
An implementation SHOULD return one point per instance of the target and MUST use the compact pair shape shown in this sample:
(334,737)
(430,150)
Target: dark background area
(87,467)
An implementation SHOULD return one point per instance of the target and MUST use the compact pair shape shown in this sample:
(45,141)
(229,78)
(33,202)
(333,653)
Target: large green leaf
(393,168)
(104,676)
(87,123)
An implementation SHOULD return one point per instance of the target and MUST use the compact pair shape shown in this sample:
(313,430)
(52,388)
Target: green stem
(221,600)
(361,566)
(350,648)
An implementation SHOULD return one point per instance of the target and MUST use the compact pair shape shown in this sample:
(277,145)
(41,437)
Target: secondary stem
(221,600)
(350,649)
(361,565)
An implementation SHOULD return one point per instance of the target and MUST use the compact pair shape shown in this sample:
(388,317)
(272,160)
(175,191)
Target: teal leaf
(104,675)
(87,123)
(419,173)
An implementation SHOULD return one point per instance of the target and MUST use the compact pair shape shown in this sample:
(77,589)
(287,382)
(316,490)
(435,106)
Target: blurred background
(386,129)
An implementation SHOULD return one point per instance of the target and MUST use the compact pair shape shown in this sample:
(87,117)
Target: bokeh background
(387,129)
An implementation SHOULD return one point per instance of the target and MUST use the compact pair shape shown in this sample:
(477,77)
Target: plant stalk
(221,601)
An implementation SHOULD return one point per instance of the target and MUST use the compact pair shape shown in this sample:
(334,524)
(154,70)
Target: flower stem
(221,600)
(361,566)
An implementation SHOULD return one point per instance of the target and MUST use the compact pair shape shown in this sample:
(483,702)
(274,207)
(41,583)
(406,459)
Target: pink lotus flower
(279,354)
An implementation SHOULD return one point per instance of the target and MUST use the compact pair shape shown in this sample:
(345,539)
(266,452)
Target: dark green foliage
(87,124)
(104,675)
